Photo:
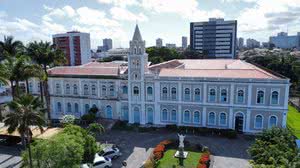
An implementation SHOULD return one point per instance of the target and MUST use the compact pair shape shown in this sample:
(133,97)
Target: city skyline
(168,20)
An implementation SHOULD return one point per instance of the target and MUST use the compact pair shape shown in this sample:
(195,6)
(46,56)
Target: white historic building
(216,93)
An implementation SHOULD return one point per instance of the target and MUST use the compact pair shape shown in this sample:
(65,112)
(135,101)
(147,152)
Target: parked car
(99,162)
(111,152)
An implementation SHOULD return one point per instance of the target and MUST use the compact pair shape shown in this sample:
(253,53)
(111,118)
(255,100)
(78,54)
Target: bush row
(158,153)
(204,161)
(203,131)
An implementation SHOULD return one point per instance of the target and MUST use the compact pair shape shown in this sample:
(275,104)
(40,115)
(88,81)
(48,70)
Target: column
(232,94)
(284,115)
(204,117)
(204,92)
(179,115)
(156,104)
(248,117)
(249,95)
(231,117)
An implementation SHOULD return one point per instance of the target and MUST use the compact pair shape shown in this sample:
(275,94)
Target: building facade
(252,43)
(159,42)
(213,93)
(184,42)
(241,43)
(75,45)
(283,40)
(170,45)
(107,44)
(215,38)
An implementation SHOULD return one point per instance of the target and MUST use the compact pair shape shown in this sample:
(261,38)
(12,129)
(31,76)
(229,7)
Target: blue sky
(30,20)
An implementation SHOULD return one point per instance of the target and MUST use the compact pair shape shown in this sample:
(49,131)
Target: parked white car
(111,152)
(99,162)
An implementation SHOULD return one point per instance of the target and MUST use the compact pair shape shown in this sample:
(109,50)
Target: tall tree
(27,111)
(47,56)
(12,69)
(10,47)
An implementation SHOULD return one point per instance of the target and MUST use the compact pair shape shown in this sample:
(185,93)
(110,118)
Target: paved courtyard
(136,147)
(9,157)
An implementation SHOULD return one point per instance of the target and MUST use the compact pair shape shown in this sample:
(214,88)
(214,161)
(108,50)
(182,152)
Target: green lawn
(169,161)
(293,121)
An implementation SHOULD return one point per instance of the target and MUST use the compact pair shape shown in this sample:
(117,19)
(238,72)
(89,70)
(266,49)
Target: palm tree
(9,47)
(47,56)
(27,111)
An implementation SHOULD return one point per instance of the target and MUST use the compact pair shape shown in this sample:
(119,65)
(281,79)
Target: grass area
(169,161)
(293,121)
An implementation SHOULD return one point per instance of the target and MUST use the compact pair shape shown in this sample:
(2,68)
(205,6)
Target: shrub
(204,160)
(68,119)
(150,163)
(172,127)
(159,148)
(89,118)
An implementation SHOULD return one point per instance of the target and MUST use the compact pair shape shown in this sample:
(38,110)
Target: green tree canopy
(62,151)
(274,148)
(158,55)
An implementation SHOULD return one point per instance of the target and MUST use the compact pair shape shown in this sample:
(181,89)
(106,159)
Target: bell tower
(137,67)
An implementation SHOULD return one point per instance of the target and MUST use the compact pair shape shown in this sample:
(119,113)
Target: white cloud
(264,16)
(124,14)
(188,9)
(119,3)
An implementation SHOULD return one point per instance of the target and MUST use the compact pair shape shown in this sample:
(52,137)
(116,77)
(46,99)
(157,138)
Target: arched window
(125,90)
(197,94)
(103,90)
(136,90)
(87,108)
(112,90)
(149,91)
(94,92)
(273,121)
(260,97)
(212,95)
(240,97)
(68,89)
(223,95)
(187,116)
(173,115)
(85,89)
(275,97)
(136,115)
(135,50)
(30,87)
(196,117)
(164,93)
(57,88)
(222,118)
(59,107)
(165,115)
(76,108)
(173,93)
(211,118)
(94,106)
(258,121)
(187,94)
(69,108)
(75,90)
(150,115)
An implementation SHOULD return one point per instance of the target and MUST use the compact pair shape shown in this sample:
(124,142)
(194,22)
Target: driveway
(9,157)
(136,147)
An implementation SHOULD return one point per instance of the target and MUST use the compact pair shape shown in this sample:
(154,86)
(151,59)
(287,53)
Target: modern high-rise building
(107,44)
(184,41)
(240,42)
(159,42)
(283,40)
(252,43)
(76,46)
(170,45)
(215,38)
